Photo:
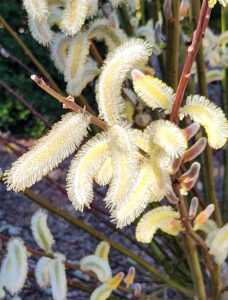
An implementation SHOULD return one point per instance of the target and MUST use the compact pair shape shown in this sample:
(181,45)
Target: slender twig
(24,103)
(192,51)
(155,10)
(208,178)
(172,48)
(67,101)
(96,54)
(7,54)
(125,19)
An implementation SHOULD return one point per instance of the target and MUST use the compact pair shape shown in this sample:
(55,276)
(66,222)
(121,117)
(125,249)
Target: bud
(137,290)
(185,7)
(142,119)
(167,9)
(193,207)
(203,216)
(195,150)
(129,279)
(189,178)
(190,131)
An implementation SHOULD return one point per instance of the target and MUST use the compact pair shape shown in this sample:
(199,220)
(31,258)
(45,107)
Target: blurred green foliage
(13,116)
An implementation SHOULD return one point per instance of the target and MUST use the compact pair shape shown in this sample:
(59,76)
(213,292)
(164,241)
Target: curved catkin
(83,170)
(42,271)
(59,50)
(74,15)
(77,56)
(114,72)
(41,232)
(150,184)
(105,173)
(41,31)
(219,244)
(101,29)
(164,218)
(102,250)
(15,266)
(37,9)
(167,136)
(92,6)
(154,92)
(101,292)
(123,152)
(208,115)
(52,149)
(77,85)
(98,266)
(58,279)
(129,279)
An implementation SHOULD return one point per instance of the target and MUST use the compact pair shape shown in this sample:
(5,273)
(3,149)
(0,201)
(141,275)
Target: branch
(68,102)
(192,51)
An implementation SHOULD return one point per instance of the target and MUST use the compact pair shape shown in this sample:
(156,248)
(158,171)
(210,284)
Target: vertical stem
(195,269)
(172,49)
(142,8)
(225,107)
(204,17)
(155,10)
(125,19)
(210,193)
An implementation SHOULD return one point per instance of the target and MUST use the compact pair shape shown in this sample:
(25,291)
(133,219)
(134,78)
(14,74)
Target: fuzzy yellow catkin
(77,56)
(58,279)
(104,291)
(114,72)
(52,149)
(74,16)
(41,231)
(14,267)
(105,173)
(219,244)
(42,271)
(41,31)
(37,9)
(102,250)
(167,136)
(102,29)
(59,50)
(164,218)
(123,151)
(98,266)
(150,184)
(84,169)
(208,115)
(154,92)
(77,85)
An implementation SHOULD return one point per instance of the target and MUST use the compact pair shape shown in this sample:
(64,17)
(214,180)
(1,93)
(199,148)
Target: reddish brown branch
(67,101)
(192,52)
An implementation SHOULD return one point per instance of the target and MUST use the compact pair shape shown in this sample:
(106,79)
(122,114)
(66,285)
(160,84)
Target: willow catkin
(52,149)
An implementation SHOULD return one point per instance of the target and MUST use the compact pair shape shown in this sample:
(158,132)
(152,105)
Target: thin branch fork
(205,13)
(68,102)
